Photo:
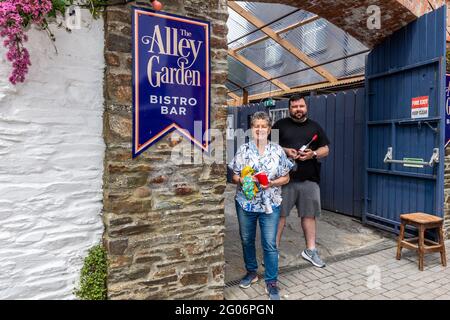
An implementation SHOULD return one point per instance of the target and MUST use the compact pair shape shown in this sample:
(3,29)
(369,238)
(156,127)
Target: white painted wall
(51,163)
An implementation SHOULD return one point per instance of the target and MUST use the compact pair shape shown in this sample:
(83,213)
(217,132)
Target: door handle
(434,158)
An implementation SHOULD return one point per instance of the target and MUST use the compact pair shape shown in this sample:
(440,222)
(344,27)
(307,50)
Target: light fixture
(156,5)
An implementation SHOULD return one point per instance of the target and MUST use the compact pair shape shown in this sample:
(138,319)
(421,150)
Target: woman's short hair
(261,115)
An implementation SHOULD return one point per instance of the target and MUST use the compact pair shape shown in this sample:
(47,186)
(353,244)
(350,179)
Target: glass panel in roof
(237,26)
(240,74)
(266,12)
(322,41)
(262,88)
(273,58)
(291,20)
(233,88)
(302,78)
(246,39)
(348,67)
(269,12)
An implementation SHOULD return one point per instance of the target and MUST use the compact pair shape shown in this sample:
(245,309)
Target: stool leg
(401,236)
(442,243)
(421,246)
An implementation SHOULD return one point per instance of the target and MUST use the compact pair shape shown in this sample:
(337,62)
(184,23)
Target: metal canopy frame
(313,69)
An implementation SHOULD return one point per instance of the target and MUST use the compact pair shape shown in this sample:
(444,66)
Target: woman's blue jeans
(268,224)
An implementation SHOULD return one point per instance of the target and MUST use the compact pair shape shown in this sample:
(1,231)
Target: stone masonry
(164,223)
(447,194)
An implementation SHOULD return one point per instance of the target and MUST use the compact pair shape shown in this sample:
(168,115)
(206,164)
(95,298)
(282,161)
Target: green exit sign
(411,164)
(269,103)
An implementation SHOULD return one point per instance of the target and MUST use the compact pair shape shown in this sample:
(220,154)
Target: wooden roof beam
(235,98)
(311,87)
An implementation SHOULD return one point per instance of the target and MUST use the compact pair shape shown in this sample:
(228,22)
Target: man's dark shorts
(304,195)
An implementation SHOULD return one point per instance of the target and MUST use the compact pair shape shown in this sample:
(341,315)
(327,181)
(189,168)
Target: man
(303,190)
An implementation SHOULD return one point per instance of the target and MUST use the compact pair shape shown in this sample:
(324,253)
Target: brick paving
(376,276)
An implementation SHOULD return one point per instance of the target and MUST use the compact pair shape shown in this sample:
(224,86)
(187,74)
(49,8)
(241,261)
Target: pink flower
(12,14)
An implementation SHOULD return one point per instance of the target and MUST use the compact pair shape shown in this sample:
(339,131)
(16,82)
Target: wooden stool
(422,222)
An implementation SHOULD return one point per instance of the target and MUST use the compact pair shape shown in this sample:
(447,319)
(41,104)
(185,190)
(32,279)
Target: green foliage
(59,6)
(94,6)
(93,275)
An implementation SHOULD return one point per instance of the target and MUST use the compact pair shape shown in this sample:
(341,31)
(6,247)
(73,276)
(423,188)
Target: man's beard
(296,118)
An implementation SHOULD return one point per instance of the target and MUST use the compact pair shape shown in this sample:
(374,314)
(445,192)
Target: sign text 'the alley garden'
(171,78)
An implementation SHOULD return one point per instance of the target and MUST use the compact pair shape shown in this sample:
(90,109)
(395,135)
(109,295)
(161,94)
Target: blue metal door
(406,69)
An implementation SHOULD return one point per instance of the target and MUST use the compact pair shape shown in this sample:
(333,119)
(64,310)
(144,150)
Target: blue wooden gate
(408,64)
(341,115)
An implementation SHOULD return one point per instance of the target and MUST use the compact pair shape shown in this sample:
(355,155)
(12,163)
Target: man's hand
(291,153)
(308,154)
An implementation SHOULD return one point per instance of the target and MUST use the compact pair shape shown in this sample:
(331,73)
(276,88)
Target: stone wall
(164,223)
(447,193)
(51,168)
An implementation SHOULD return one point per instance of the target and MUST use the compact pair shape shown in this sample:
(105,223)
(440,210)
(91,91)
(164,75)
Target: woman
(263,156)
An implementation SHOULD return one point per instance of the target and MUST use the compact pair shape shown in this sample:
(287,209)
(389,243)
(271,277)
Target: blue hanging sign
(447,108)
(171,78)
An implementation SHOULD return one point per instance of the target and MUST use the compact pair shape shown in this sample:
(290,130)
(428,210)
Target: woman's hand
(270,185)
(236,179)
(240,180)
(279,182)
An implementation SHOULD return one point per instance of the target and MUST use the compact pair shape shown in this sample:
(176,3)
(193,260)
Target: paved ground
(375,276)
(338,237)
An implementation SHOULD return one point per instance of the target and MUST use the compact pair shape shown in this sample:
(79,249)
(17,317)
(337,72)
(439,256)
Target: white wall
(51,163)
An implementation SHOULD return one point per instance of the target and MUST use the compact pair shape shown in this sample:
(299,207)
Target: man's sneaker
(246,282)
(313,257)
(273,291)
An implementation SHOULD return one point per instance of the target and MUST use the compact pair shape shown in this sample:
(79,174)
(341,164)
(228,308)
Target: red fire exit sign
(419,107)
